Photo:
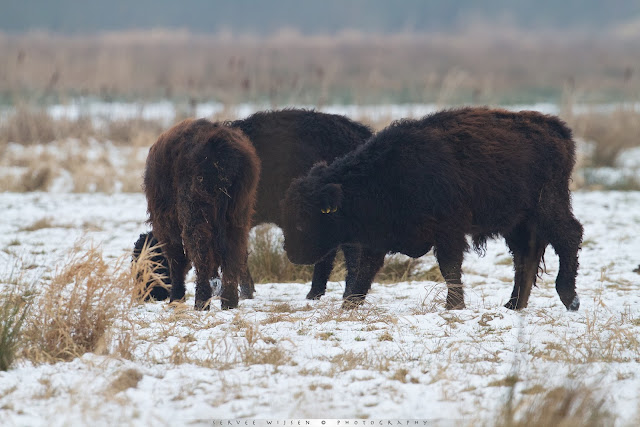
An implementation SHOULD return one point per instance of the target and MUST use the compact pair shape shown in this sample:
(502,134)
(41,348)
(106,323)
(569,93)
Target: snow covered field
(166,111)
(279,356)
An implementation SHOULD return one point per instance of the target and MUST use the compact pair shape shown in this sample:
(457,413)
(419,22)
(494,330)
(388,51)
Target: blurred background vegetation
(113,61)
(353,52)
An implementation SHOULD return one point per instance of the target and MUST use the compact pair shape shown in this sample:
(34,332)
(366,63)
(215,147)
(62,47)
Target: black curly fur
(422,184)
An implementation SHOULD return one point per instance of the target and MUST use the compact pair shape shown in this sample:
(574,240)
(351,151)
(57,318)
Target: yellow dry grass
(144,270)
(76,309)
(484,68)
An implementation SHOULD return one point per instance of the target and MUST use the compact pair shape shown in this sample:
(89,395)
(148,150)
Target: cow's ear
(330,198)
(318,168)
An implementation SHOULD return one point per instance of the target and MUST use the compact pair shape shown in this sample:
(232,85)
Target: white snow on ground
(279,356)
(166,111)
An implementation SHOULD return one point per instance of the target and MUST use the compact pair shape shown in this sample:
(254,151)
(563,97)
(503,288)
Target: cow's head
(311,217)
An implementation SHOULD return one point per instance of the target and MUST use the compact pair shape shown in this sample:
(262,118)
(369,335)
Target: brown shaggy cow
(200,181)
(427,183)
(289,142)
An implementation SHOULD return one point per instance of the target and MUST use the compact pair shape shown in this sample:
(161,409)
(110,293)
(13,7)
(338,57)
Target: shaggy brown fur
(289,142)
(200,182)
(422,184)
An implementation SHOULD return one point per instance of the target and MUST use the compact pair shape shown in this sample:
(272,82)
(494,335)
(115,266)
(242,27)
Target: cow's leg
(233,265)
(370,263)
(527,248)
(449,252)
(321,273)
(206,262)
(199,245)
(247,286)
(565,235)
(178,267)
(205,270)
(352,256)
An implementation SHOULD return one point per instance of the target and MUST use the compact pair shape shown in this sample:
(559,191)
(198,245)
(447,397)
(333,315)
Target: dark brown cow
(200,181)
(289,142)
(422,184)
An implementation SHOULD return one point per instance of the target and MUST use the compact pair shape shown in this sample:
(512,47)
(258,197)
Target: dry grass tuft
(561,406)
(272,355)
(612,133)
(258,349)
(77,307)
(433,301)
(39,224)
(367,313)
(400,268)
(605,339)
(74,155)
(136,131)
(28,126)
(268,262)
(126,380)
(280,308)
(38,178)
(15,305)
(385,336)
(32,125)
(145,270)
(349,360)
(400,375)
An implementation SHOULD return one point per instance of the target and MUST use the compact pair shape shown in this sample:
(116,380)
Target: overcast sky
(312,17)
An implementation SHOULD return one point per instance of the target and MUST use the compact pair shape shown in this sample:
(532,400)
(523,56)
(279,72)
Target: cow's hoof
(229,305)
(511,305)
(352,302)
(158,293)
(246,294)
(575,304)
(246,290)
(202,306)
(314,295)
(456,306)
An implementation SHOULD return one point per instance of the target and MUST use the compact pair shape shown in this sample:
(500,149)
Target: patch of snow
(399,356)
(165,111)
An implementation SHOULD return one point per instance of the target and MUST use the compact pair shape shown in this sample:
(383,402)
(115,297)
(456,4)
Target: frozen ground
(280,356)
(166,111)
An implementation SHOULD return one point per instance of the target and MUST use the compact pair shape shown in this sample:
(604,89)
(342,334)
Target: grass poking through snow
(76,309)
(15,305)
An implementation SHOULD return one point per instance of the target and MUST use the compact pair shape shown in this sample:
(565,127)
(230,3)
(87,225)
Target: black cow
(422,184)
